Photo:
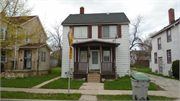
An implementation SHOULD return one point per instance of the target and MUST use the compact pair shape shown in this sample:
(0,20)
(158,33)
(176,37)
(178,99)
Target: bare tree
(55,40)
(134,38)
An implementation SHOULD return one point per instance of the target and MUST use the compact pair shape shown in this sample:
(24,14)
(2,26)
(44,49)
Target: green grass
(149,71)
(24,95)
(124,83)
(129,97)
(32,81)
(63,84)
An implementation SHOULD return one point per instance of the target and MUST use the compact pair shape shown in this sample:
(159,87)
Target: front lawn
(124,83)
(32,81)
(129,97)
(25,95)
(63,84)
(149,71)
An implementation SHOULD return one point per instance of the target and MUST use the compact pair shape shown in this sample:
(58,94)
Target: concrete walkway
(174,94)
(165,83)
(46,82)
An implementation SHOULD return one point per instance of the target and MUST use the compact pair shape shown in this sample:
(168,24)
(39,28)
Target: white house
(166,46)
(95,48)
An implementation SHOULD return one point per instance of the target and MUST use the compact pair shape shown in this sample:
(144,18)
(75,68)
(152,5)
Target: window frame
(81,33)
(43,57)
(86,55)
(5,57)
(155,58)
(160,43)
(4,33)
(26,31)
(42,39)
(109,35)
(169,62)
(170,35)
(109,55)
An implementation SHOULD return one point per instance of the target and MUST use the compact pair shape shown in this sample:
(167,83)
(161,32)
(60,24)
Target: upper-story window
(2,32)
(42,39)
(26,36)
(159,43)
(155,58)
(168,56)
(168,35)
(80,32)
(109,31)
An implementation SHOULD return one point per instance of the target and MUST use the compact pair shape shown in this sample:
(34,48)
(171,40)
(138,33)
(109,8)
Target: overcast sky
(155,12)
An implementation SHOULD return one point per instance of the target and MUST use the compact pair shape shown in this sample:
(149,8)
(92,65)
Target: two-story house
(166,46)
(100,46)
(26,44)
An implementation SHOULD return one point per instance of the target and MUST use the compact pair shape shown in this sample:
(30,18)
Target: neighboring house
(27,52)
(139,57)
(95,49)
(56,57)
(166,46)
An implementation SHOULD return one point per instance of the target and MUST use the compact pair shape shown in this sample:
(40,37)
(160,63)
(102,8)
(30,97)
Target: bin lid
(140,76)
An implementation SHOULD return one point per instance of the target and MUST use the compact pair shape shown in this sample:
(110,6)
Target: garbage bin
(140,84)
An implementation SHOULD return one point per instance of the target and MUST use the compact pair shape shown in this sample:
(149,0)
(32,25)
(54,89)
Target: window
(43,56)
(26,36)
(80,32)
(2,32)
(83,56)
(3,56)
(168,56)
(106,56)
(168,35)
(159,43)
(109,31)
(155,58)
(41,39)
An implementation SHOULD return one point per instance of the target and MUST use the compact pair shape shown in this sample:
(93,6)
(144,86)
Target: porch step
(94,78)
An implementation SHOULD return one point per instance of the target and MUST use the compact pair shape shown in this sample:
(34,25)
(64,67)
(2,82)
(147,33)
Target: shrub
(59,63)
(175,69)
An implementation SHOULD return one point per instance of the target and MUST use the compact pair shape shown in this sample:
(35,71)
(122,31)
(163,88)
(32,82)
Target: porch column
(88,59)
(100,58)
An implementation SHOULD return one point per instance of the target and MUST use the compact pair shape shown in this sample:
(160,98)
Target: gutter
(94,24)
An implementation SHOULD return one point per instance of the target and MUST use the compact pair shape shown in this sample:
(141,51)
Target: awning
(95,42)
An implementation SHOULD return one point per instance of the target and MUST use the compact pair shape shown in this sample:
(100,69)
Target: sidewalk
(174,94)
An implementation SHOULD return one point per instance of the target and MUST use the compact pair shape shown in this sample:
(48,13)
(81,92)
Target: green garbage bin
(140,84)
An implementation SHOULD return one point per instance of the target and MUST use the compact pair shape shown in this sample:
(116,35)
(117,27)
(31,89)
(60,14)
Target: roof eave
(94,23)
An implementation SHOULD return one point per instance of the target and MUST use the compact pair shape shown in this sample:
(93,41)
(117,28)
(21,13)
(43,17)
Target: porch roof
(95,42)
(35,45)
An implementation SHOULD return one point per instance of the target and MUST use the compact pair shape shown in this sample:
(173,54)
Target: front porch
(94,57)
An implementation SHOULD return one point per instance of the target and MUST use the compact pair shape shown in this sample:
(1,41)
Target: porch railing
(107,67)
(80,66)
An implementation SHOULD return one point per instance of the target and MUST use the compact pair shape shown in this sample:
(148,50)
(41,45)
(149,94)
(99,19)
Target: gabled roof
(167,27)
(35,45)
(18,20)
(98,18)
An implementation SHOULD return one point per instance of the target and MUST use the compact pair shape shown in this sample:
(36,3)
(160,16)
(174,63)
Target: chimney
(82,10)
(171,15)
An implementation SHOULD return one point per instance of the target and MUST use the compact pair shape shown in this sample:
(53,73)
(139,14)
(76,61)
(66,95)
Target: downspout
(15,50)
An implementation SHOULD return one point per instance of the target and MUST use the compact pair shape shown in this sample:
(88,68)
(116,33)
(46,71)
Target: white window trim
(81,30)
(5,59)
(25,35)
(109,35)
(42,39)
(3,32)
(43,56)
(109,55)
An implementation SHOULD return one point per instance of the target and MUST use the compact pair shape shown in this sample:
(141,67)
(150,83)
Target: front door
(27,59)
(160,65)
(95,59)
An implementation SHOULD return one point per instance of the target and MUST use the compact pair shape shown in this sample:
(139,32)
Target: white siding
(174,45)
(122,51)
